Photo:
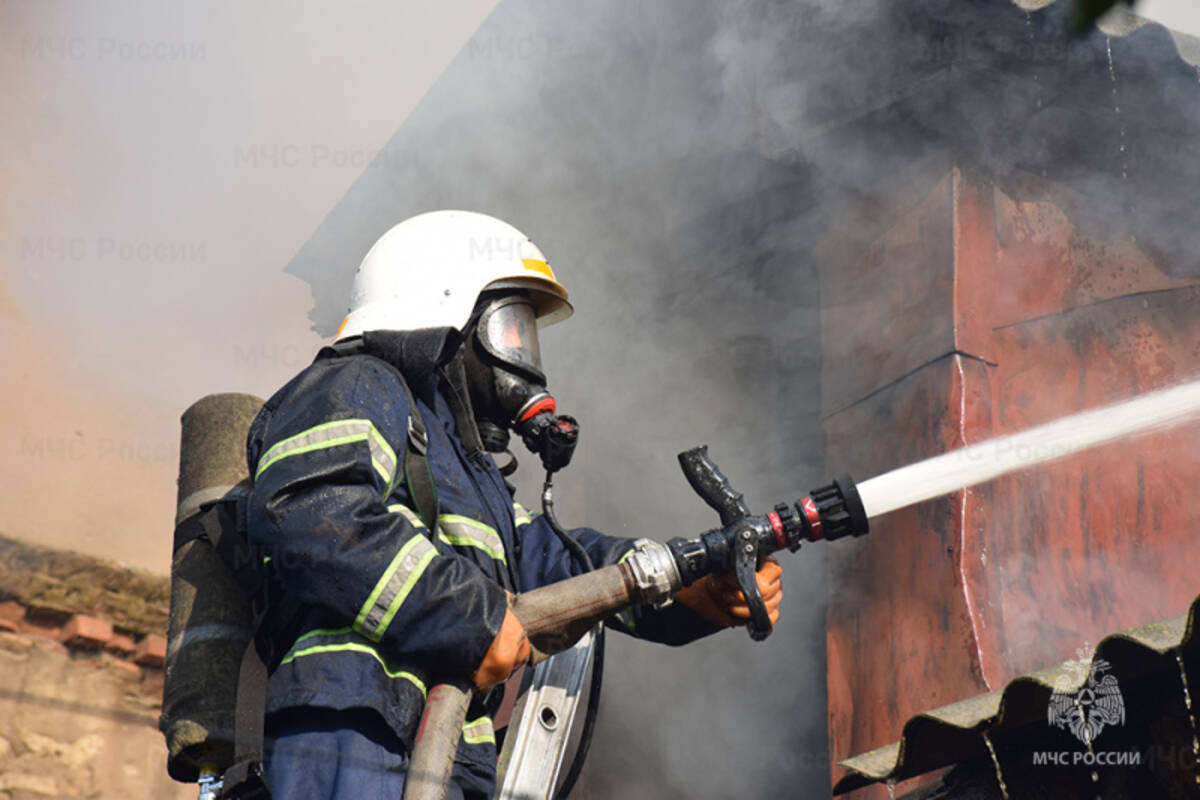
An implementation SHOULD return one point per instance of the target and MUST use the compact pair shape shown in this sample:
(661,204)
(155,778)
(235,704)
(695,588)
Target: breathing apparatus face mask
(507,385)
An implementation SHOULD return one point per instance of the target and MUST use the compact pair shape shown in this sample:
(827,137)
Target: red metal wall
(983,312)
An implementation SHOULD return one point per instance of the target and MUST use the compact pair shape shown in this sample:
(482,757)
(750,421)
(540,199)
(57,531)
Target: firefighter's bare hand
(509,650)
(718,599)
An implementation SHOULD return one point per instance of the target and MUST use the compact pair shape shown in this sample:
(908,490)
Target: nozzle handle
(712,486)
(745,566)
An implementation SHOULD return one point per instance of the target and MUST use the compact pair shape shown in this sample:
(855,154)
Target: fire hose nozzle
(829,512)
(832,512)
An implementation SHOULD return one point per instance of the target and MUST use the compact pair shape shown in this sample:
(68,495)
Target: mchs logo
(1087,712)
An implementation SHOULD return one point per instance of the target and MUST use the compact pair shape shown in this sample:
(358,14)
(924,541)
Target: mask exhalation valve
(552,437)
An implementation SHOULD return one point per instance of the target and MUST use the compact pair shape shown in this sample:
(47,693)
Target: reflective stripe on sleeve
(479,731)
(298,651)
(467,532)
(393,587)
(521,515)
(332,434)
(408,514)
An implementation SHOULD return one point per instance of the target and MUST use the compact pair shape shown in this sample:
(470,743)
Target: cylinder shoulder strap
(418,476)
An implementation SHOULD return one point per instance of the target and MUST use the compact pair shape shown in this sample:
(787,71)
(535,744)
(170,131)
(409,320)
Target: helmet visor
(508,330)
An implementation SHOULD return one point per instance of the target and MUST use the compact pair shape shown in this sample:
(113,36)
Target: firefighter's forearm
(555,616)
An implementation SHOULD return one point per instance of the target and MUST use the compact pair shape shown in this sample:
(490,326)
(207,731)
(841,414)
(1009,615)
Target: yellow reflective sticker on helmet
(539,266)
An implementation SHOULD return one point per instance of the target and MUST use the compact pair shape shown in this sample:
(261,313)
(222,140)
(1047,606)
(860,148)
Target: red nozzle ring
(814,518)
(777,526)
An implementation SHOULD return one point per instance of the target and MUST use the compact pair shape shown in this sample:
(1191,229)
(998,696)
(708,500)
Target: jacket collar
(424,357)
(417,354)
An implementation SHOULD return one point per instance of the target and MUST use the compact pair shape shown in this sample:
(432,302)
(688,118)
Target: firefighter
(444,314)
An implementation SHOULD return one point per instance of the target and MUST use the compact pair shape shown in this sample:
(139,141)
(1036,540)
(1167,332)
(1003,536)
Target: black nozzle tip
(854,504)
(840,509)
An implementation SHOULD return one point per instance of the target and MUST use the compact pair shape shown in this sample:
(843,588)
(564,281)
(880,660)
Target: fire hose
(557,615)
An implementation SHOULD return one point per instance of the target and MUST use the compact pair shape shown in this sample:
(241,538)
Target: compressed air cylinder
(210,620)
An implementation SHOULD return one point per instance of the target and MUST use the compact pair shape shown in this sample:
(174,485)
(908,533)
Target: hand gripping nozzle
(738,546)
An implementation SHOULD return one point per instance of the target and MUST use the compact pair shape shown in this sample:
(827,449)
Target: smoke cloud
(159,168)
(687,167)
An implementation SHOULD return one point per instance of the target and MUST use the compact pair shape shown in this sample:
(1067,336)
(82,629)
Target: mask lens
(511,332)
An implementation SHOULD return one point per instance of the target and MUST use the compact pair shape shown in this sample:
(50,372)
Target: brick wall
(81,654)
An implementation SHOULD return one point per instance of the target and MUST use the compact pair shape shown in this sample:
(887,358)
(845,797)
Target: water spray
(968,466)
(845,509)
(555,616)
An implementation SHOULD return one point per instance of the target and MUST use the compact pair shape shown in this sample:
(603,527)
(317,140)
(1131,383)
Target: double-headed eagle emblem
(1088,710)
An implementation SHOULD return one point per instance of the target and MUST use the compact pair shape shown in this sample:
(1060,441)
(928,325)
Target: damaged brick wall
(81,656)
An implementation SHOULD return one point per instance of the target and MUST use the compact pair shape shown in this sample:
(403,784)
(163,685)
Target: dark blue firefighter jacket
(395,607)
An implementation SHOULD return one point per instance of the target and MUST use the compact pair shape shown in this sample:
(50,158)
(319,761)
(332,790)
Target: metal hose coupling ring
(654,573)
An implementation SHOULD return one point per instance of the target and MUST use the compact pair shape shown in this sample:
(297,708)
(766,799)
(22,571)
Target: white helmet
(428,272)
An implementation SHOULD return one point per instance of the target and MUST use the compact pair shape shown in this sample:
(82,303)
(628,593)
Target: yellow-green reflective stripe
(467,532)
(332,434)
(408,513)
(394,586)
(521,514)
(625,557)
(355,647)
(322,632)
(479,731)
(467,541)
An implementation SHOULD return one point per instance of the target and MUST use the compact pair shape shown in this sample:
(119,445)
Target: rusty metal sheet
(988,584)
(899,613)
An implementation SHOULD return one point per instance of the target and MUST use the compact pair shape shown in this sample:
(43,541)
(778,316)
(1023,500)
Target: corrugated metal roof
(1122,21)
(954,733)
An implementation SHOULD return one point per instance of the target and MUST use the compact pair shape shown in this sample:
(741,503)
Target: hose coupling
(654,573)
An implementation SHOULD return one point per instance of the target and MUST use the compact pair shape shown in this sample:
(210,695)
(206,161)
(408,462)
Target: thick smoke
(159,168)
(647,150)
(685,166)
(688,167)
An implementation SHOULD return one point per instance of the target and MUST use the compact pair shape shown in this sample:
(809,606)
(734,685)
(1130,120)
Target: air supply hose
(593,704)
